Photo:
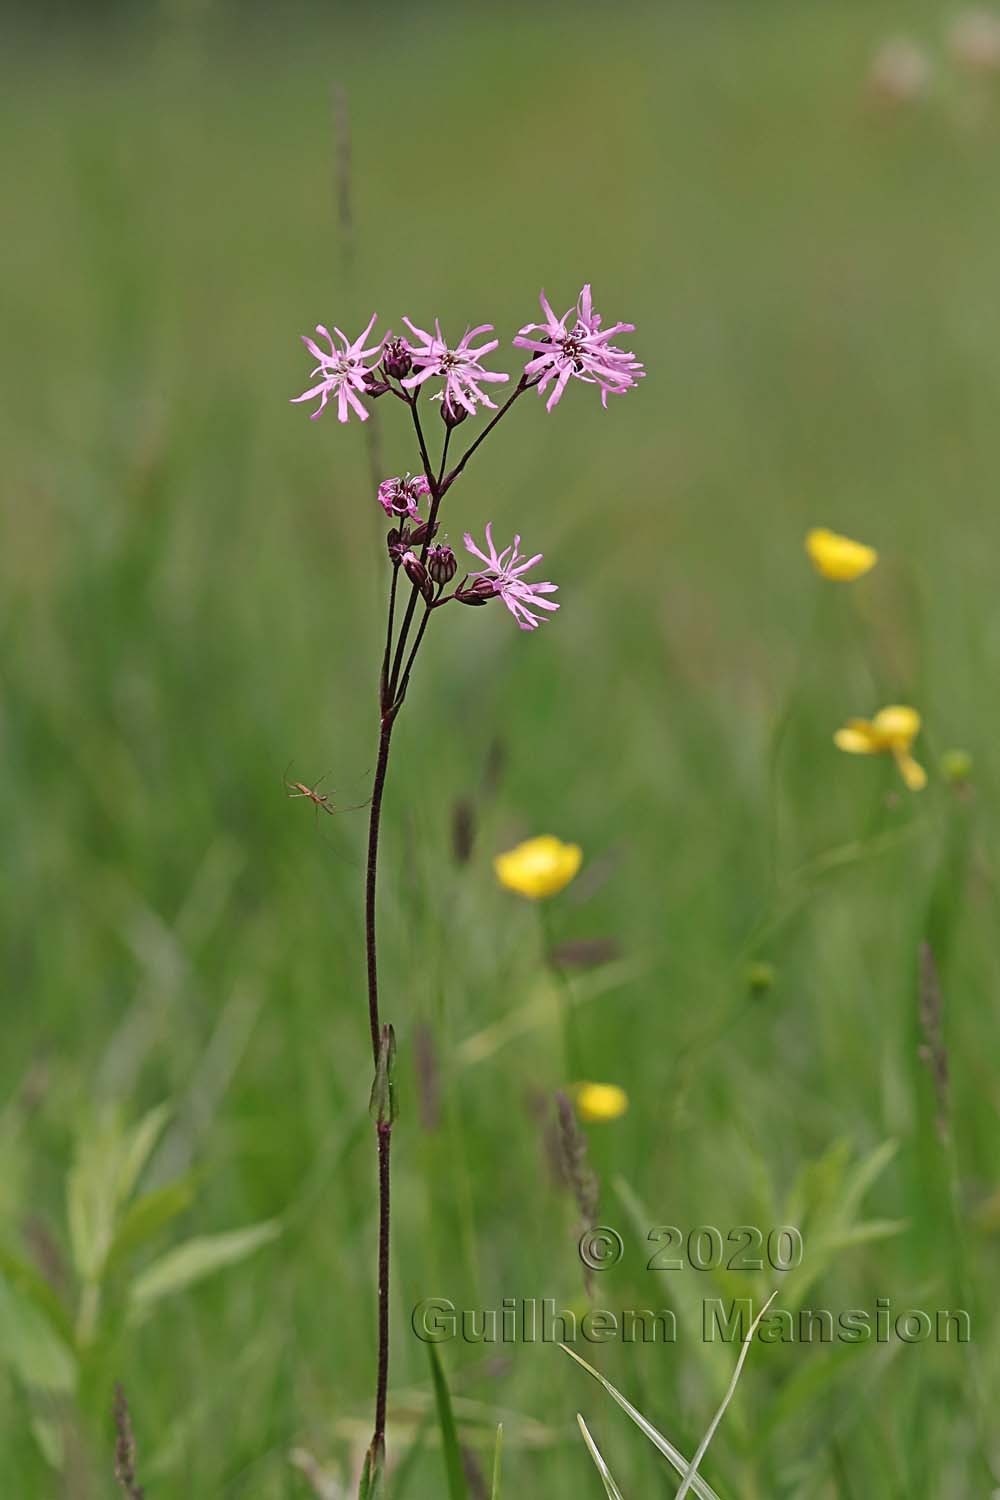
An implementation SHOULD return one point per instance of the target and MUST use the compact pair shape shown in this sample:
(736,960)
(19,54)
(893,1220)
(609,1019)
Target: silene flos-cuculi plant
(450,381)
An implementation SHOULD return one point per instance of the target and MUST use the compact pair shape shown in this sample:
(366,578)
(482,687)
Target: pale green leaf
(91,1198)
(147,1216)
(106,1168)
(861,1234)
(23,1278)
(192,1261)
(138,1147)
(864,1174)
(51,1439)
(30,1345)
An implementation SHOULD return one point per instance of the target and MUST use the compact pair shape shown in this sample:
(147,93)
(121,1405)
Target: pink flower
(399,497)
(504,570)
(343,370)
(460,368)
(579,350)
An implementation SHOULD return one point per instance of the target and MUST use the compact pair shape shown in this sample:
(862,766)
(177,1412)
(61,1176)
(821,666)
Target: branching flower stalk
(422,580)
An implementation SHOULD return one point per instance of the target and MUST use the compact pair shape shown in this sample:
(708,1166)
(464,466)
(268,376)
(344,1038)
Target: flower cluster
(575,346)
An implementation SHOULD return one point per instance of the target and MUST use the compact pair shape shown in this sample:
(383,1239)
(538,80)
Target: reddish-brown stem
(384,679)
(424,455)
(411,603)
(404,680)
(371,874)
(384,1132)
(519,390)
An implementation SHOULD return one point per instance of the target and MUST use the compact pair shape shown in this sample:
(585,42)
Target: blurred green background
(191,593)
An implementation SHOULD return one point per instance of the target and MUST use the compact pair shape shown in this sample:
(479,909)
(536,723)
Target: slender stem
(384,679)
(382,1386)
(519,390)
(404,631)
(444,457)
(371,874)
(383,1128)
(438,488)
(405,677)
(436,493)
(424,455)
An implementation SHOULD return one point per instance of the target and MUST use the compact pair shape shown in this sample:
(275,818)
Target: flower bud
(415,570)
(374,387)
(441,564)
(396,361)
(956,766)
(760,977)
(417,573)
(453,412)
(479,591)
(423,533)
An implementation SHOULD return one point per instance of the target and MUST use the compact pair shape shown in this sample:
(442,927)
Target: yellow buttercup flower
(539,867)
(891,732)
(837,557)
(598,1102)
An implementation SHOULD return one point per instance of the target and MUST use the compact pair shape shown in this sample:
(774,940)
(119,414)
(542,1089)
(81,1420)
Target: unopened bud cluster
(402,539)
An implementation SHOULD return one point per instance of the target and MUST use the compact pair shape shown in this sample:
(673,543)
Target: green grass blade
(691,1475)
(404,1471)
(614,1493)
(673,1455)
(497,1451)
(449,1433)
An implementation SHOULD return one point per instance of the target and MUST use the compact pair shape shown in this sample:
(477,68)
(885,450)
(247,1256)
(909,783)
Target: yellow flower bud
(837,557)
(539,867)
(598,1102)
(956,766)
(760,976)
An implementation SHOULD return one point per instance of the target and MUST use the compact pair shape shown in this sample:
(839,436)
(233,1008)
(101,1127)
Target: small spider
(318,798)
